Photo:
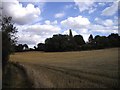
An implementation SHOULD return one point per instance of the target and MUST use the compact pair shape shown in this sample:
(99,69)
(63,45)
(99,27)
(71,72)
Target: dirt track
(15,77)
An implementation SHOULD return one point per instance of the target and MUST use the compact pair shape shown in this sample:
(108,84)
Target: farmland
(78,69)
(0,75)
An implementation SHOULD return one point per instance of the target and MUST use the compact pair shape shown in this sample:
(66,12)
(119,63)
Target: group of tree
(64,42)
(59,43)
(100,42)
(69,42)
(21,47)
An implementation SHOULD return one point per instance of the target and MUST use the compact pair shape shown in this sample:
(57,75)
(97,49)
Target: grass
(81,69)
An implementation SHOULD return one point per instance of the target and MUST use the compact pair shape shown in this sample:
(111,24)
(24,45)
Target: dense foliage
(60,43)
(72,43)
(8,38)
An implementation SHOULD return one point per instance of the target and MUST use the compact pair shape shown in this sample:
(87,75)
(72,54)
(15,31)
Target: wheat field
(79,69)
(0,76)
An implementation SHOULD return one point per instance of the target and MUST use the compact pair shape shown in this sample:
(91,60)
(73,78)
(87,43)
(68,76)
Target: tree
(35,47)
(60,43)
(70,33)
(8,38)
(101,41)
(79,40)
(19,48)
(40,46)
(114,40)
(90,39)
(49,44)
(25,47)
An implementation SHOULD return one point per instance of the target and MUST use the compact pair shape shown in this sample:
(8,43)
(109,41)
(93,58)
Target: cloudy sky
(37,21)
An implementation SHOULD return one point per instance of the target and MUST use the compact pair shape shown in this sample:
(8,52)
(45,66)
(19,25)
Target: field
(0,75)
(80,69)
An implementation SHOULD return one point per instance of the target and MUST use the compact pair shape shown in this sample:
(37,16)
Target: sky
(39,20)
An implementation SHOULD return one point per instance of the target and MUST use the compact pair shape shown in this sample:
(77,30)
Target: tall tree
(70,33)
(90,39)
(8,38)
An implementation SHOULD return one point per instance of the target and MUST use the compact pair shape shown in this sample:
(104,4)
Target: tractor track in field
(91,77)
(98,79)
(81,71)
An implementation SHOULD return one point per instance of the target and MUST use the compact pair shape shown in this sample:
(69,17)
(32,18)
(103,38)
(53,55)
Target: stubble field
(80,69)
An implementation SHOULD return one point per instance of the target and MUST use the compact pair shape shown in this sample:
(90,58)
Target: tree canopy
(8,38)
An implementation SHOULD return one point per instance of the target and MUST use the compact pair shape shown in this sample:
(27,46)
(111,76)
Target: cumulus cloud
(47,22)
(84,5)
(107,22)
(109,11)
(52,23)
(20,14)
(59,15)
(104,29)
(82,25)
(34,34)
(79,25)
(75,22)
(43,28)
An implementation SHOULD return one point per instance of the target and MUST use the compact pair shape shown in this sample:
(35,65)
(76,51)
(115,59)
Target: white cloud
(47,22)
(101,3)
(34,34)
(43,28)
(75,22)
(59,15)
(21,15)
(52,23)
(109,11)
(83,26)
(84,5)
(79,25)
(55,22)
(103,29)
(107,22)
(91,10)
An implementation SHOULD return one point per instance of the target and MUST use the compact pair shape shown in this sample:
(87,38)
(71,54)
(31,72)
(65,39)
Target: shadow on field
(15,77)
(0,75)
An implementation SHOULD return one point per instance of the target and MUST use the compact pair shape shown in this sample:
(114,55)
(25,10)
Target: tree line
(60,43)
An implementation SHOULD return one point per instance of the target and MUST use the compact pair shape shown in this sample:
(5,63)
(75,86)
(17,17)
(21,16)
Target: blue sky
(37,21)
